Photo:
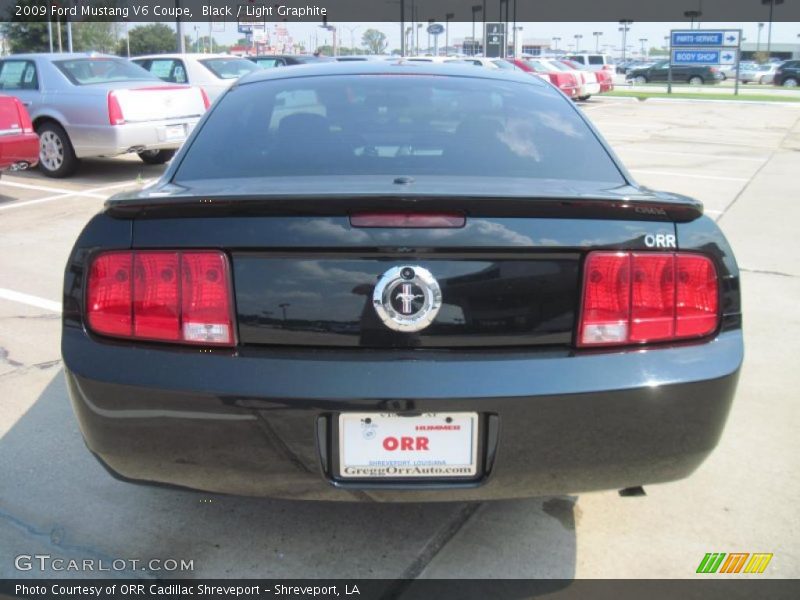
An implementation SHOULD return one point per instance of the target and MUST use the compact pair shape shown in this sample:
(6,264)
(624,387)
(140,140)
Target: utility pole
(578,38)
(626,26)
(597,35)
(181,45)
(447,18)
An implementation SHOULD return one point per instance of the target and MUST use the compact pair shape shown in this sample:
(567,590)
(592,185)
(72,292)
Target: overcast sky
(654,32)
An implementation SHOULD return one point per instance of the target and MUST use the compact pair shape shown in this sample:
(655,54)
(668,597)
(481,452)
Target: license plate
(387,445)
(174,132)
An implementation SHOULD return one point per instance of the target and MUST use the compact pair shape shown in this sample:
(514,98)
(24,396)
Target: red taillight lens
(206,101)
(156,296)
(182,297)
(24,118)
(697,296)
(114,110)
(108,298)
(632,298)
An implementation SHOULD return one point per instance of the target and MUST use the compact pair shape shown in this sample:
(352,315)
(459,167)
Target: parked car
(729,71)
(787,74)
(588,80)
(658,72)
(565,81)
(435,286)
(762,74)
(594,62)
(85,105)
(269,61)
(483,61)
(213,73)
(19,144)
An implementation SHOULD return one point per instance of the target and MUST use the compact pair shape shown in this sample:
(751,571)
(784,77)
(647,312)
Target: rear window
(396,125)
(86,71)
(595,60)
(229,68)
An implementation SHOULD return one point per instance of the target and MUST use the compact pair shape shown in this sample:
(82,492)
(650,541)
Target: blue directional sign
(703,56)
(704,38)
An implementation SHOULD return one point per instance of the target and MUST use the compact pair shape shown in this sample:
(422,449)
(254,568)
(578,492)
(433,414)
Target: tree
(374,41)
(94,37)
(23,36)
(155,38)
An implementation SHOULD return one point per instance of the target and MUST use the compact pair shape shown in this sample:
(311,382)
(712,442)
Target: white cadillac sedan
(214,73)
(85,105)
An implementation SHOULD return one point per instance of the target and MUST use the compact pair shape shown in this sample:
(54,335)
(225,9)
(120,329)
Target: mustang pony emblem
(407,298)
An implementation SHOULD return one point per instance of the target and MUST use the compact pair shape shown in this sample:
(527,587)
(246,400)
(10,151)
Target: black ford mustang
(400,281)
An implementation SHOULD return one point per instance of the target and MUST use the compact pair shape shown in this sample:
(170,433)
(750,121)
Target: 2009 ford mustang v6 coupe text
(387,281)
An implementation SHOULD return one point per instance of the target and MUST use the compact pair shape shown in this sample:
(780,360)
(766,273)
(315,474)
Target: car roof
(184,55)
(390,67)
(61,55)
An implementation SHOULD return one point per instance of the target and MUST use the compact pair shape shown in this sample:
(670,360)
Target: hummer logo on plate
(407,298)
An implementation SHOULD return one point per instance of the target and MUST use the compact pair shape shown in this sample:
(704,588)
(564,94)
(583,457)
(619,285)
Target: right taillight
(169,296)
(114,110)
(641,297)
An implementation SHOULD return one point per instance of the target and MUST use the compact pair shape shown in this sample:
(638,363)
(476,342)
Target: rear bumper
(112,140)
(19,149)
(258,423)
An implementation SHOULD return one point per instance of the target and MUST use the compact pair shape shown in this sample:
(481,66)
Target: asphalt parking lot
(740,159)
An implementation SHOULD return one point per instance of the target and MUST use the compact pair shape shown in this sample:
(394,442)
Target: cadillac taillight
(168,296)
(114,110)
(24,118)
(206,101)
(641,297)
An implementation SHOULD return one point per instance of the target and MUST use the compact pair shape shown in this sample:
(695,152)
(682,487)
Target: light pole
(643,41)
(692,14)
(555,42)
(516,29)
(626,27)
(475,9)
(332,29)
(597,35)
(416,52)
(430,22)
(352,31)
(758,39)
(578,37)
(772,4)
(447,18)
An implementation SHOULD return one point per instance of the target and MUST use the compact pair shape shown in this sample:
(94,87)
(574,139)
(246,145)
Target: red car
(566,82)
(19,145)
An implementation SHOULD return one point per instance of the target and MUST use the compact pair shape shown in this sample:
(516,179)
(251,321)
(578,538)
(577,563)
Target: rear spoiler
(652,208)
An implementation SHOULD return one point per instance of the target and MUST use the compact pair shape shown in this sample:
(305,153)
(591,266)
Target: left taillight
(24,118)
(169,296)
(641,297)
(115,116)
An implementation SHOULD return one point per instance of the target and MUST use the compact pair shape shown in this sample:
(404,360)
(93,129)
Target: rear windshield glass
(396,125)
(229,68)
(86,71)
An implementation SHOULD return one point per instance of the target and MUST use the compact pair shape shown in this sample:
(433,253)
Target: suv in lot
(788,74)
(594,62)
(695,75)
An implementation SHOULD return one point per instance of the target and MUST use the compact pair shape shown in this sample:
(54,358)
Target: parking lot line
(759,159)
(693,176)
(39,188)
(34,301)
(91,193)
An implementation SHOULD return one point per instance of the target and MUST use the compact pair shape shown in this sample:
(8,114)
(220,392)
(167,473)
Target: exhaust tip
(20,166)
(632,492)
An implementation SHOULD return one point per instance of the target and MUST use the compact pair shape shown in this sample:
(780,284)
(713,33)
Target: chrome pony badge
(407,298)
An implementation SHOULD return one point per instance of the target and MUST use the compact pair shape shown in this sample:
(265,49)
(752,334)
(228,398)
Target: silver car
(214,73)
(86,104)
(764,74)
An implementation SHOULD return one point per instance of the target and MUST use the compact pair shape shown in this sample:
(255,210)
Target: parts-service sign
(387,445)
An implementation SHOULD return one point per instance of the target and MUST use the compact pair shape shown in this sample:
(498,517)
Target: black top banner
(730,11)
